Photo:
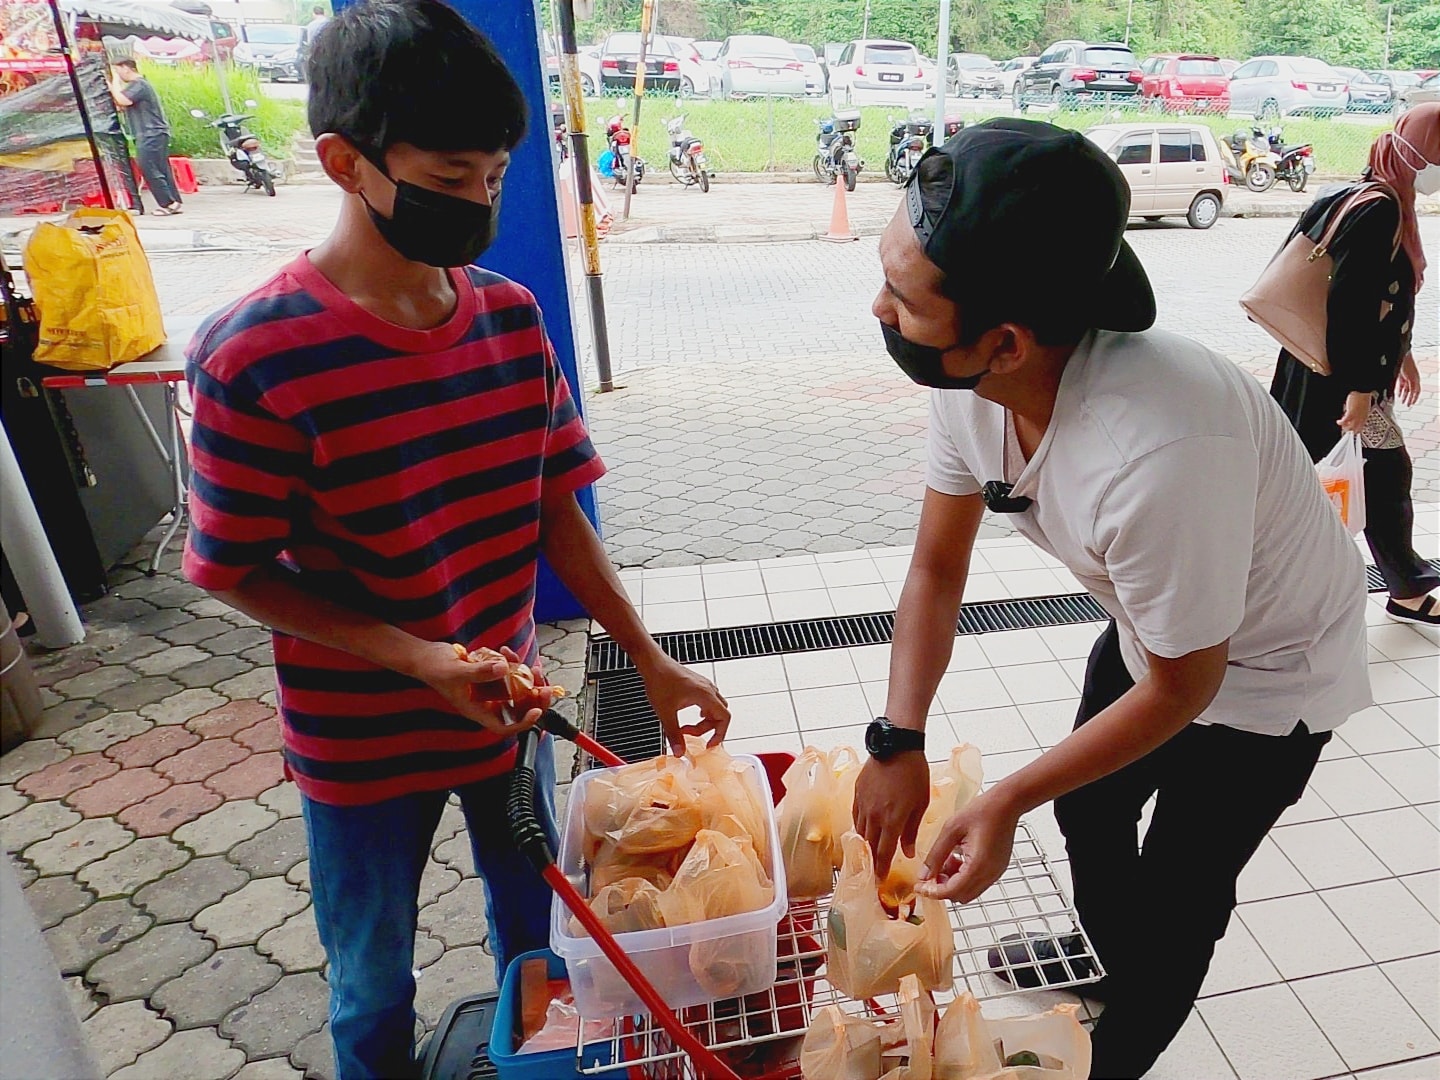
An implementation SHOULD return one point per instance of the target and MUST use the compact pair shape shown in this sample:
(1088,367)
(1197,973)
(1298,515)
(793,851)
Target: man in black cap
(1174,489)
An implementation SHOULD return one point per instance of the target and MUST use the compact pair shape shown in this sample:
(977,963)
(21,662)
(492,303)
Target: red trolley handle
(535,845)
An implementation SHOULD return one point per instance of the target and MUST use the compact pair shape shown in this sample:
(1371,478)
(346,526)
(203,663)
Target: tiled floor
(1331,967)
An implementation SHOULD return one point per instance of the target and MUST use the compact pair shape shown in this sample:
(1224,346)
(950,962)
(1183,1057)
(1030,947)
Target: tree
(1339,31)
(1415,34)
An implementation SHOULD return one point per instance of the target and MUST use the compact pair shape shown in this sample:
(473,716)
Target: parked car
(1396,81)
(1011,70)
(589,62)
(1073,72)
(755,65)
(972,75)
(708,50)
(698,76)
(815,81)
(1230,66)
(1186,82)
(878,72)
(620,55)
(1428,90)
(272,49)
(1269,87)
(1173,170)
(1365,94)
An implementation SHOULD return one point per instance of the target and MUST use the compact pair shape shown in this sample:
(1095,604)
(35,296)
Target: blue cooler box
(551,1065)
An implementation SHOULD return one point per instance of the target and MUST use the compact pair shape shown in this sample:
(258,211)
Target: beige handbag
(1290,300)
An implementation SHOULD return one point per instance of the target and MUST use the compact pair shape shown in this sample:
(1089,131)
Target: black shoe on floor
(1427,614)
(1015,958)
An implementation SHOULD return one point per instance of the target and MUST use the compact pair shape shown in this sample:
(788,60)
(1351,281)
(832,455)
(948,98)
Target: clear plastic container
(746,941)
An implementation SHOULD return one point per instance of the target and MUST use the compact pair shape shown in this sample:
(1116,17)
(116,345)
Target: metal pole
(1389,18)
(1129,20)
(580,161)
(27,550)
(865,31)
(68,53)
(942,58)
(770,125)
(219,62)
(647,18)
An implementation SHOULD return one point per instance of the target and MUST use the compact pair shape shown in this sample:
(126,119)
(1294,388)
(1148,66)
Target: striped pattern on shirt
(398,472)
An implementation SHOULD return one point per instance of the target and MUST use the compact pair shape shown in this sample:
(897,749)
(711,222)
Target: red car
(1186,83)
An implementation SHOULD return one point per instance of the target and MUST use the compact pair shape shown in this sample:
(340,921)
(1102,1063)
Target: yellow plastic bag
(94,291)
(645,809)
(808,842)
(964,1048)
(1047,1046)
(917,1014)
(846,765)
(721,876)
(839,1046)
(732,793)
(629,904)
(870,952)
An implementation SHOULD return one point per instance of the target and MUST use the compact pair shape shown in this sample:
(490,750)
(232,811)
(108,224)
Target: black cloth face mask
(434,228)
(925,364)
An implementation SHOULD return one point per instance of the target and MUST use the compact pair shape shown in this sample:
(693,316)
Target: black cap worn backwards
(1016,206)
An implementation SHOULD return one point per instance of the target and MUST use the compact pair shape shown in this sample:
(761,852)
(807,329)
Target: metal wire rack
(761,1034)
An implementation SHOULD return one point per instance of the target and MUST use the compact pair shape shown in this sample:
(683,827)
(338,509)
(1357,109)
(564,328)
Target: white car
(1269,87)
(879,72)
(755,65)
(588,59)
(815,81)
(1174,170)
(1011,70)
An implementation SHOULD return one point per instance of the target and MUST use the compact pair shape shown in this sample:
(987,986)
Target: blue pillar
(530,244)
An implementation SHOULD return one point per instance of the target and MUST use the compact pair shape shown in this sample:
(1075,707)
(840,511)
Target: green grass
(196,87)
(779,136)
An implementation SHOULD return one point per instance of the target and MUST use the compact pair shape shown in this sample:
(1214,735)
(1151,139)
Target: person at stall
(1174,489)
(145,117)
(383,444)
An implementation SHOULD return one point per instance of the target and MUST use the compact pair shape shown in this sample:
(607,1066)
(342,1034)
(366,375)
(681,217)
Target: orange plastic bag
(870,952)
(643,809)
(733,794)
(808,842)
(917,1015)
(846,765)
(952,786)
(629,904)
(720,876)
(839,1046)
(1046,1046)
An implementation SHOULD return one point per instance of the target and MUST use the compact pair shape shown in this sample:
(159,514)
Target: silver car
(973,75)
(1269,87)
(816,85)
(752,65)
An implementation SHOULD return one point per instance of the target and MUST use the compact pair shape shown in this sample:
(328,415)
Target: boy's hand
(671,686)
(972,851)
(890,801)
(437,665)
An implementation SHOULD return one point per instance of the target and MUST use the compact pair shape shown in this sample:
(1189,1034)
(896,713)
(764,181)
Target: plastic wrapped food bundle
(952,786)
(720,876)
(809,843)
(518,687)
(870,949)
(840,1047)
(846,764)
(629,904)
(731,795)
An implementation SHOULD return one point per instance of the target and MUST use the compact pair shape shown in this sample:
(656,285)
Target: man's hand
(671,686)
(1357,409)
(437,664)
(972,851)
(890,799)
(1407,386)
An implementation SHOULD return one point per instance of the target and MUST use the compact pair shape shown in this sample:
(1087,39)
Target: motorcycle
(561,131)
(835,155)
(623,157)
(1257,164)
(687,156)
(243,149)
(908,143)
(1296,162)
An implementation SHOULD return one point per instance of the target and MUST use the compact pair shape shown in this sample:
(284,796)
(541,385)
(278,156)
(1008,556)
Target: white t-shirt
(1176,491)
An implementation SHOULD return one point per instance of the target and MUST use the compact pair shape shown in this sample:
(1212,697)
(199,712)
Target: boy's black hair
(384,72)
(126,62)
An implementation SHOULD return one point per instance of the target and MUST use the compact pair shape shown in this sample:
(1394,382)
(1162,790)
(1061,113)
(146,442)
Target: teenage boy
(383,444)
(1175,490)
(145,117)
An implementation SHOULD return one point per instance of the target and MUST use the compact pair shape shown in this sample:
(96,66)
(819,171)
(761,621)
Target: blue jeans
(365,867)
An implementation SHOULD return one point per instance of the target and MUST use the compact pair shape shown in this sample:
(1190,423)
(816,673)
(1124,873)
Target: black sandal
(1426,614)
(1027,961)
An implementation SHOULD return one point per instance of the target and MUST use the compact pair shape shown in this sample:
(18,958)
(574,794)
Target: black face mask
(925,364)
(434,228)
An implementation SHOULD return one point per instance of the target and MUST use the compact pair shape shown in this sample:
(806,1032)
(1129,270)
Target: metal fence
(778,135)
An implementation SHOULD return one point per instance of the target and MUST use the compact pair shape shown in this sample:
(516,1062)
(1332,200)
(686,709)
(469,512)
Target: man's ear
(1006,348)
(340,160)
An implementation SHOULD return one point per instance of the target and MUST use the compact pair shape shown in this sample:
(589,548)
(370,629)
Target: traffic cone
(839,217)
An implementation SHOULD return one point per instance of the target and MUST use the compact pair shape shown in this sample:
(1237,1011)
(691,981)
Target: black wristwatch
(884,740)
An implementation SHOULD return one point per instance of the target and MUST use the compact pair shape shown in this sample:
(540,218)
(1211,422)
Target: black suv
(1070,73)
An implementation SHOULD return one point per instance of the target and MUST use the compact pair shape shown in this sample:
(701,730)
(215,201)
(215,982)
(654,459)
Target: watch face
(877,742)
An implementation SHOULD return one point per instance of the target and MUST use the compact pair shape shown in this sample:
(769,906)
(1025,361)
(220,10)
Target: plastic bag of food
(628,905)
(845,763)
(952,786)
(840,1047)
(728,967)
(871,951)
(519,686)
(734,793)
(562,1027)
(917,1016)
(964,1048)
(647,809)
(808,842)
(720,876)
(1048,1046)
(608,868)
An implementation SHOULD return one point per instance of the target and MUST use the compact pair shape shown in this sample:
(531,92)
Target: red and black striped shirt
(398,472)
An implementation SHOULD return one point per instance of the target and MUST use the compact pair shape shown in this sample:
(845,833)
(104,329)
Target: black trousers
(1390,525)
(153,154)
(1155,910)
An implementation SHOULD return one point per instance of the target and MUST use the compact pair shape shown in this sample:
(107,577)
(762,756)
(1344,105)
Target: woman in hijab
(1371,310)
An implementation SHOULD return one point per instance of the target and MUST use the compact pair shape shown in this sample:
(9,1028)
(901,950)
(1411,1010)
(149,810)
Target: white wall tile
(752,715)
(1413,773)
(1365,1018)
(1375,731)
(823,667)
(1301,936)
(1050,721)
(982,587)
(1266,1034)
(994,731)
(1269,874)
(807,604)
(855,572)
(967,691)
(1071,642)
(1328,853)
(831,706)
(751,675)
(662,618)
(1397,641)
(1015,647)
(1390,682)
(1425,670)
(1033,583)
(1403,839)
(1351,786)
(1425,888)
(1387,921)
(836,737)
(1426,1068)
(784,579)
(1418,979)
(736,583)
(1193,1055)
(1420,718)
(861,599)
(1029,683)
(872,662)
(738,611)
(1015,558)
(966,654)
(1239,963)
(673,590)
(1310,807)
